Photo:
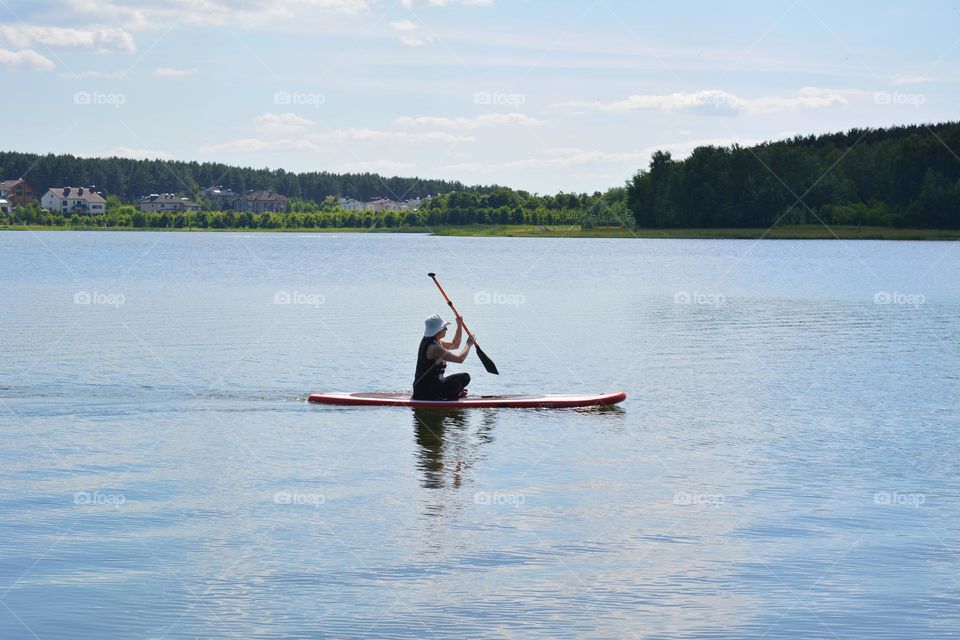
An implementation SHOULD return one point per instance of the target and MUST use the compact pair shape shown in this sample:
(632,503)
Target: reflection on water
(784,466)
(449,446)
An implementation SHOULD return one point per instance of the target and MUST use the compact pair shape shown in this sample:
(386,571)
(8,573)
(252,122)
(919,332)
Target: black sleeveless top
(429,375)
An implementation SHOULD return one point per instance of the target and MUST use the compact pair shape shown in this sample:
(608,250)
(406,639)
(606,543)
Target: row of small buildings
(381,204)
(262,201)
(86,200)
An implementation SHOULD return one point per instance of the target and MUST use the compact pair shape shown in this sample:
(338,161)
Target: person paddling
(432,357)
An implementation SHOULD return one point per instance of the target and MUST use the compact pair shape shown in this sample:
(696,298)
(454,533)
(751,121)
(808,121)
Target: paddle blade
(487,362)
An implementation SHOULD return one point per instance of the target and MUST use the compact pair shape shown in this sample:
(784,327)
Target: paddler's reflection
(447,447)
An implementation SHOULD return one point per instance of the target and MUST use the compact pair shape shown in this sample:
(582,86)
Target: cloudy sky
(545,95)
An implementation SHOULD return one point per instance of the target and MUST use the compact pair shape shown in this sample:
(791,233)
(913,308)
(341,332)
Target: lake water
(785,465)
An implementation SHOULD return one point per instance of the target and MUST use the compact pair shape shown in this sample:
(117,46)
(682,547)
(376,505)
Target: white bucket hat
(433,326)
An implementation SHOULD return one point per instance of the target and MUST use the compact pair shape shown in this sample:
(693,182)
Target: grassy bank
(800,232)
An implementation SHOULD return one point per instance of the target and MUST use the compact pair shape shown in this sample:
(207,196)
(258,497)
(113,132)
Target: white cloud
(170,72)
(573,158)
(27,59)
(319,142)
(410,33)
(409,4)
(476,122)
(105,40)
(369,135)
(415,41)
(82,75)
(136,154)
(281,123)
(244,145)
(901,80)
(718,101)
(216,13)
(576,158)
(388,167)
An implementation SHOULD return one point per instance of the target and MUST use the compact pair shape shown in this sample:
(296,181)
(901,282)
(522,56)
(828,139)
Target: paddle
(484,358)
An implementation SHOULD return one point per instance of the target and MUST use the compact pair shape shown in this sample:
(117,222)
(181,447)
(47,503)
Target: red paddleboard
(381,399)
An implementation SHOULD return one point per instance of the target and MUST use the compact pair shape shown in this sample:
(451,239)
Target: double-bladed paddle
(484,358)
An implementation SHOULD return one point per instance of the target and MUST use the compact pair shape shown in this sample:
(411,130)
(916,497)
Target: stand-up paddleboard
(381,399)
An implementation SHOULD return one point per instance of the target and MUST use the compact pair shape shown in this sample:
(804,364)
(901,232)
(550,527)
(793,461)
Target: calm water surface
(786,463)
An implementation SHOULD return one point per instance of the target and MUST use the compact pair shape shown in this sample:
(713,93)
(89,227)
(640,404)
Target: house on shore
(159,202)
(386,204)
(381,204)
(263,202)
(16,192)
(411,205)
(73,200)
(221,198)
(349,204)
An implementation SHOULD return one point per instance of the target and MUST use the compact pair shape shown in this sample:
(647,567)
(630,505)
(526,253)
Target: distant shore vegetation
(897,177)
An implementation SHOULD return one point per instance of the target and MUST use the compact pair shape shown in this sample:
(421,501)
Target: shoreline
(794,232)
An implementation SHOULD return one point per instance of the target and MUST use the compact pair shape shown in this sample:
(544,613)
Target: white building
(381,204)
(5,207)
(349,204)
(73,200)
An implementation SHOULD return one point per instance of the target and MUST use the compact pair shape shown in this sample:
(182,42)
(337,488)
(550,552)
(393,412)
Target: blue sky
(544,96)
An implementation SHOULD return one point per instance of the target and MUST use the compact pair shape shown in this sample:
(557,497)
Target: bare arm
(455,343)
(435,352)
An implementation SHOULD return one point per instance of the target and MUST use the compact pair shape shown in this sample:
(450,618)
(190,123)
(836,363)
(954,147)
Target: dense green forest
(901,176)
(131,179)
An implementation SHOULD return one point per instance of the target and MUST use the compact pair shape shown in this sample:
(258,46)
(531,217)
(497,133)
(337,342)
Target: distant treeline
(900,176)
(132,179)
(452,209)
